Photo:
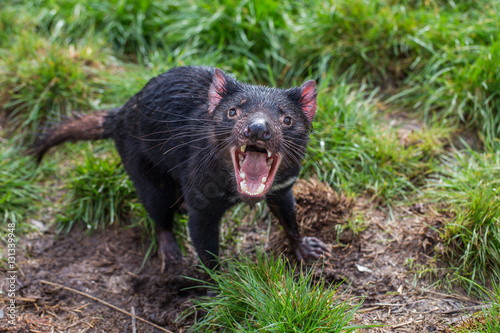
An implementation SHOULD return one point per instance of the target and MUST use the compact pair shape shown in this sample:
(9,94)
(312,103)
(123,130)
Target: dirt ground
(105,266)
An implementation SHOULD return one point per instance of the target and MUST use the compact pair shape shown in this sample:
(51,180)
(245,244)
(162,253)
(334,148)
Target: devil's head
(270,129)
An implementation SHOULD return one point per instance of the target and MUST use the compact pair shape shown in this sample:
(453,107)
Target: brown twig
(463,309)
(460,298)
(105,303)
(401,324)
(30,299)
(369,309)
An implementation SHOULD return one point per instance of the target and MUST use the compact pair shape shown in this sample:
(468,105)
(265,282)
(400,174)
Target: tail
(93,126)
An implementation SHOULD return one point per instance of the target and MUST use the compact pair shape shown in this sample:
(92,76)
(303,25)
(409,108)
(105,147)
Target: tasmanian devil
(196,135)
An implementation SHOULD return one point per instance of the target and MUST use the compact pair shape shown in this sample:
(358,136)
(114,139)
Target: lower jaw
(250,199)
(253,198)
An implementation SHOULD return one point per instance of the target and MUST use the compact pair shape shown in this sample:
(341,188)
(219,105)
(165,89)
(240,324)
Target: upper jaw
(254,169)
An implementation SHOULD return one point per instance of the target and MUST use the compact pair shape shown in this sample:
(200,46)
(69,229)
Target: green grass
(440,56)
(99,192)
(356,151)
(369,37)
(42,79)
(249,33)
(460,84)
(122,24)
(21,196)
(267,295)
(434,61)
(488,319)
(470,185)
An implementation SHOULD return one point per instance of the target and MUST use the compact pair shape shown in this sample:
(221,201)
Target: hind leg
(159,197)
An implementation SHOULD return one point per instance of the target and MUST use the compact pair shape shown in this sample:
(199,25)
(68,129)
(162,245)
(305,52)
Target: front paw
(169,251)
(310,248)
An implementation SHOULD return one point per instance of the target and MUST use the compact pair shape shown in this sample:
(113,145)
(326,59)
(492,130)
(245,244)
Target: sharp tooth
(270,162)
(243,186)
(263,180)
(268,153)
(260,190)
(242,175)
(243,148)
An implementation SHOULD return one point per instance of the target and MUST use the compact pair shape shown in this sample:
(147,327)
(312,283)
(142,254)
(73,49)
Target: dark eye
(232,113)
(287,120)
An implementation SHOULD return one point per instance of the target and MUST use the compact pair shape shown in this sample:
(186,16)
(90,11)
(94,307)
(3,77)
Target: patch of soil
(374,263)
(106,265)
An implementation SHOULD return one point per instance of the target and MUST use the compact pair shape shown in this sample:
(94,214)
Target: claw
(169,251)
(310,248)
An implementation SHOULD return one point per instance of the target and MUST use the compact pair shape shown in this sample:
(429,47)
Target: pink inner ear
(308,99)
(216,90)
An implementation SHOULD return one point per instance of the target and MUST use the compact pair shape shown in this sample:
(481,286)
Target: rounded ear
(308,99)
(216,90)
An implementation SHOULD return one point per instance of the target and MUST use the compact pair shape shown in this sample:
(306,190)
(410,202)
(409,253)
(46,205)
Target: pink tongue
(255,167)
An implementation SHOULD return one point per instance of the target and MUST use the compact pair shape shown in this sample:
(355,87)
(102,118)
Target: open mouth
(254,168)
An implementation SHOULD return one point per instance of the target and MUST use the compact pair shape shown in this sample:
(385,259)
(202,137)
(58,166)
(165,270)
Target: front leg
(204,231)
(282,205)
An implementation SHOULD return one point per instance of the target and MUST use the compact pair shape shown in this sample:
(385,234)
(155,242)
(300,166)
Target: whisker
(308,158)
(196,129)
(292,153)
(184,135)
(206,161)
(183,116)
(189,143)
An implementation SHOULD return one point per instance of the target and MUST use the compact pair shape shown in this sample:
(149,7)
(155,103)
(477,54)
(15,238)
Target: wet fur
(174,143)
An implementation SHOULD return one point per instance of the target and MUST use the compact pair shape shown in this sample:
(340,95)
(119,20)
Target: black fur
(177,149)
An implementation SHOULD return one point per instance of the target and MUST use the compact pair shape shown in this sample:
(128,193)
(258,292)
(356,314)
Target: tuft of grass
(99,193)
(357,151)
(354,225)
(456,79)
(471,186)
(267,295)
(459,84)
(20,195)
(488,319)
(45,79)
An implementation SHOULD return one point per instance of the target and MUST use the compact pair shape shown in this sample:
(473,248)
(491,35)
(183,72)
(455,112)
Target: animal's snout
(258,130)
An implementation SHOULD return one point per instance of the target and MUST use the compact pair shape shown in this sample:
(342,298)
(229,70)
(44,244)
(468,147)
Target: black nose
(258,130)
